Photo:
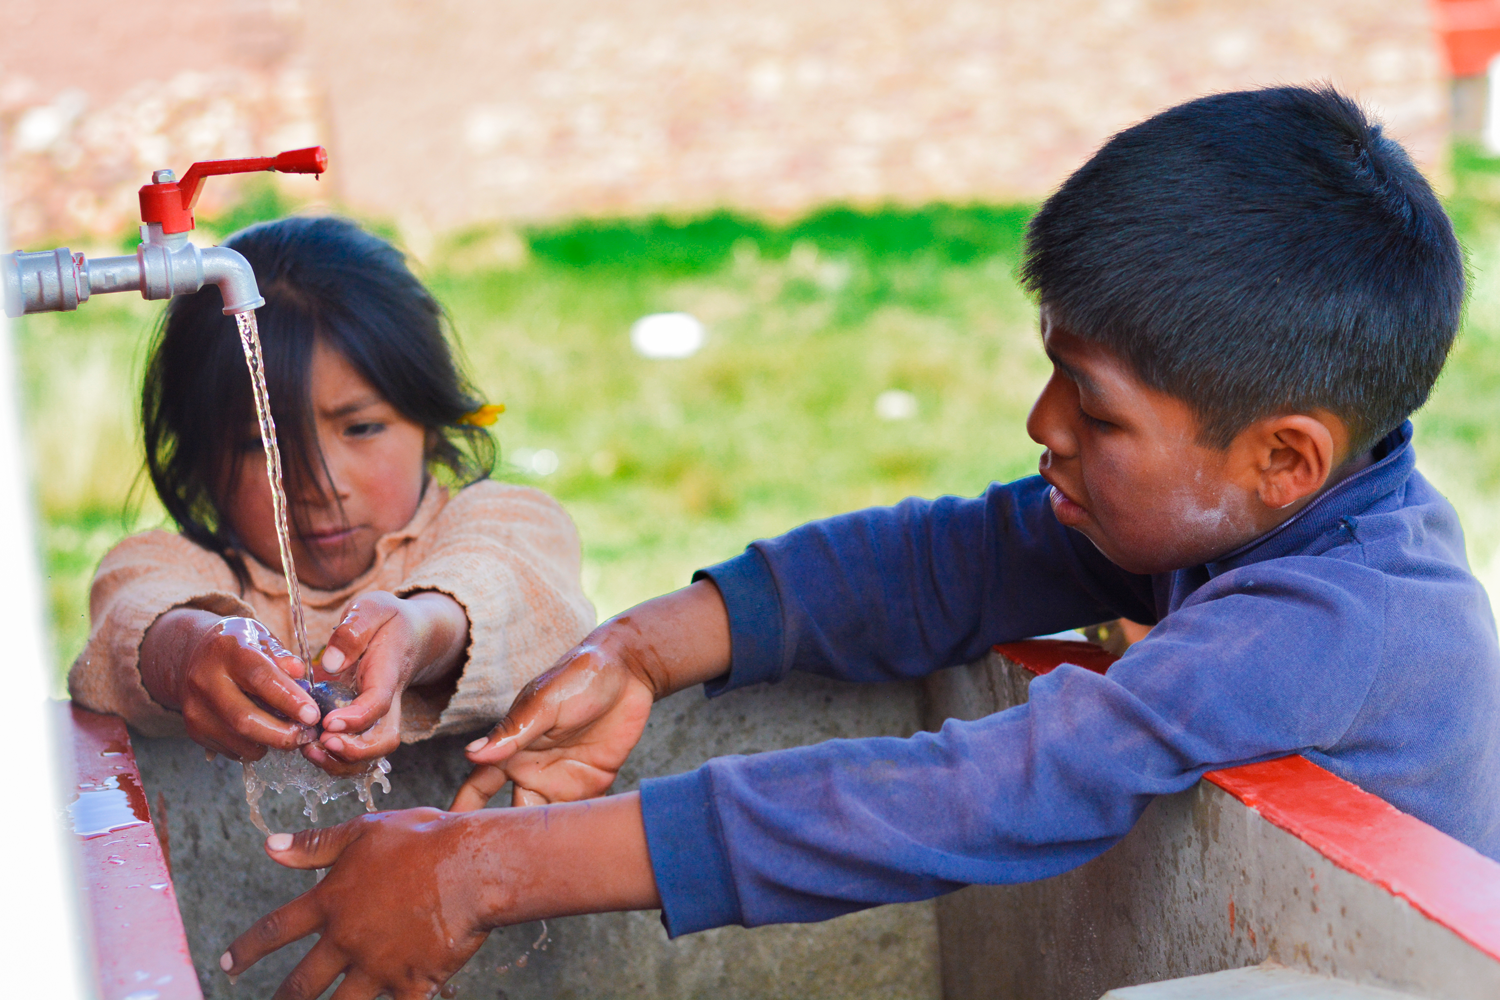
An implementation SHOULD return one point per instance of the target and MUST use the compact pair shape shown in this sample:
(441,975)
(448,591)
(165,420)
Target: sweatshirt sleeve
(510,556)
(1247,670)
(137,582)
(902,591)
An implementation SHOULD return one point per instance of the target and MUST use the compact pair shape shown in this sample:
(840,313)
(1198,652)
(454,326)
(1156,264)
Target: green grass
(669,465)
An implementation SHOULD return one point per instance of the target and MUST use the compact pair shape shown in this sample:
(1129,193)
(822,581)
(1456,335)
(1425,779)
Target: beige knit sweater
(508,554)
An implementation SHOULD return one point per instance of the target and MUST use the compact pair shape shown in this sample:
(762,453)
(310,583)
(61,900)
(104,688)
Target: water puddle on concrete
(114,803)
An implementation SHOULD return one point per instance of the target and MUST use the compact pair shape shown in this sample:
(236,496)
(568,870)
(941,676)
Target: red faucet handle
(170,204)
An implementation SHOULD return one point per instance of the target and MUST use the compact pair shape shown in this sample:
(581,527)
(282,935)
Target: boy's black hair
(322,278)
(1257,253)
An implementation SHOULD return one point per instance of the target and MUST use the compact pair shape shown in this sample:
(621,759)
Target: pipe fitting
(235,277)
(43,282)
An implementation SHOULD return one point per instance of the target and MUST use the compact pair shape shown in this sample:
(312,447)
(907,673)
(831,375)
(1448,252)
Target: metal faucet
(165,264)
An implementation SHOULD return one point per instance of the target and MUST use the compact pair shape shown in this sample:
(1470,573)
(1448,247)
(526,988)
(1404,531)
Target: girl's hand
(569,731)
(384,645)
(229,677)
(410,896)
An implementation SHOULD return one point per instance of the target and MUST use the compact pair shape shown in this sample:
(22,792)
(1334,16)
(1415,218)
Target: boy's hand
(569,731)
(566,734)
(229,677)
(410,896)
(389,915)
(384,645)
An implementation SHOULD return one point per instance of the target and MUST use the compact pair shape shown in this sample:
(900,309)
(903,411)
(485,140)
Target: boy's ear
(1292,456)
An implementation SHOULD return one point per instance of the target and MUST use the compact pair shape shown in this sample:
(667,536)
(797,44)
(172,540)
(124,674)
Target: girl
(435,605)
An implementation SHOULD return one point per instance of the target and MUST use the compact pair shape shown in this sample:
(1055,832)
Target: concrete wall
(450,112)
(224,881)
(1201,884)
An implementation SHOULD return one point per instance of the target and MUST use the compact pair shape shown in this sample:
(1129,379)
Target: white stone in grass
(537,461)
(895,404)
(544,462)
(667,335)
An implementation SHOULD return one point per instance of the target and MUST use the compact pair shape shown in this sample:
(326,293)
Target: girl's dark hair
(1257,253)
(322,278)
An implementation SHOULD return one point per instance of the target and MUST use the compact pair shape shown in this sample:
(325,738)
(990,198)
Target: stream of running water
(282,769)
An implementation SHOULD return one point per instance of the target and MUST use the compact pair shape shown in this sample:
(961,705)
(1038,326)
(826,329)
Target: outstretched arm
(440,883)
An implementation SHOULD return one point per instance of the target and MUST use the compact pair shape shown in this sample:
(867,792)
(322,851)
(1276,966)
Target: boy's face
(1125,466)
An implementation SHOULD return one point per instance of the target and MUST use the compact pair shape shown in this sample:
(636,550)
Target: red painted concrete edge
(1442,878)
(140,947)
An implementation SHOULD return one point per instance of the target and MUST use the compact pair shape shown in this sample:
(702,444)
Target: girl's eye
(368,429)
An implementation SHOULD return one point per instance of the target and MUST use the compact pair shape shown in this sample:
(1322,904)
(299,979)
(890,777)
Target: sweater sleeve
(1249,669)
(510,556)
(902,591)
(137,582)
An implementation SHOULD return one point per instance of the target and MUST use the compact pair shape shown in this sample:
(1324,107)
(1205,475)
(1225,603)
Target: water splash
(250,341)
(280,770)
(522,960)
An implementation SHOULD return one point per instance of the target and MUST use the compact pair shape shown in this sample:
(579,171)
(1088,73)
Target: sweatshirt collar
(270,581)
(1395,460)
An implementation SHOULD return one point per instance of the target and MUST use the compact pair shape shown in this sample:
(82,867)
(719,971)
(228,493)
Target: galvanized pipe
(163,267)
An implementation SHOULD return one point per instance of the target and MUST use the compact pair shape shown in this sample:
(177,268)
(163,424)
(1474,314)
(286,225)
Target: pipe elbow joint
(236,279)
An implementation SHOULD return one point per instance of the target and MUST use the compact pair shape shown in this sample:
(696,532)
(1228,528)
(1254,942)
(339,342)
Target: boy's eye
(1094,421)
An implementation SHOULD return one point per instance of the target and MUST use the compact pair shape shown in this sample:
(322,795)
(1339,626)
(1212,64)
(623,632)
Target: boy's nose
(1048,423)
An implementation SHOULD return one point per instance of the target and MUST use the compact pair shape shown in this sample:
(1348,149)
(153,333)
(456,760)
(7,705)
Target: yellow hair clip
(484,416)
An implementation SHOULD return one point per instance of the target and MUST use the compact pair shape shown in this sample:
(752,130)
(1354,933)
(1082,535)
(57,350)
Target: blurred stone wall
(445,113)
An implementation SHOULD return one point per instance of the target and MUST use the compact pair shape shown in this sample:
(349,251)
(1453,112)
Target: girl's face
(376,468)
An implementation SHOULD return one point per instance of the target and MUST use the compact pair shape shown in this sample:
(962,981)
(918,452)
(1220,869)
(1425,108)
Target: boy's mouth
(1067,510)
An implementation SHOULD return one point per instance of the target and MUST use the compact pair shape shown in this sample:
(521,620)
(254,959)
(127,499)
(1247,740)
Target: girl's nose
(330,478)
(1048,423)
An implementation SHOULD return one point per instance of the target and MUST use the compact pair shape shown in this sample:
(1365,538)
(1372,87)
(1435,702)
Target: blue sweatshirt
(1353,634)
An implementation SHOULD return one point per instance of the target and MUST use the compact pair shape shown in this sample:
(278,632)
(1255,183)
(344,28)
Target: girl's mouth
(328,539)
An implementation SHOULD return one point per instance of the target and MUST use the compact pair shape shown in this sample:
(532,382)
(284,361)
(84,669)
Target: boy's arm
(1253,671)
(902,591)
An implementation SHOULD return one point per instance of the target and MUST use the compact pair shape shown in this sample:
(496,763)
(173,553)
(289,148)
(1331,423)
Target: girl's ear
(1294,455)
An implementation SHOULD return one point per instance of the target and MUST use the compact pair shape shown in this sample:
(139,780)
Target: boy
(1243,299)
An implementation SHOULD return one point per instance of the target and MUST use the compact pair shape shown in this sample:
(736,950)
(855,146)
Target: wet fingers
(317,970)
(276,929)
(527,797)
(333,765)
(357,985)
(477,790)
(319,847)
